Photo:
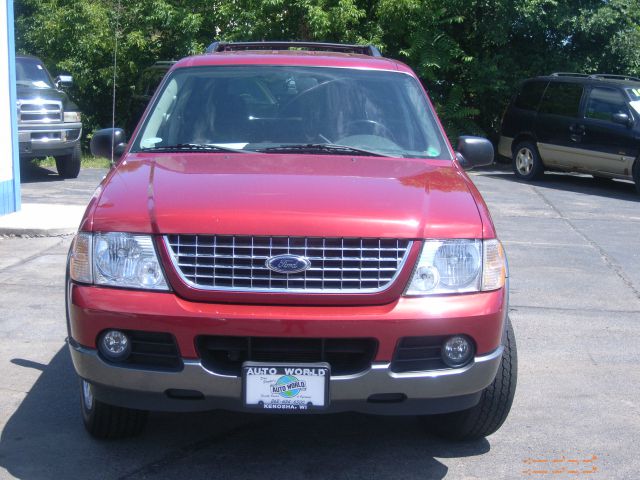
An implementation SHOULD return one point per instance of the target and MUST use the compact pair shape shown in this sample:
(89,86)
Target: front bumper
(48,139)
(415,393)
(94,309)
(481,316)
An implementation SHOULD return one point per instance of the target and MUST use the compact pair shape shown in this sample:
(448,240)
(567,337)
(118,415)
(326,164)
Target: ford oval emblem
(288,263)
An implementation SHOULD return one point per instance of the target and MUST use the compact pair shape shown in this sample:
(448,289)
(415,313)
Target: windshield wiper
(193,147)
(323,148)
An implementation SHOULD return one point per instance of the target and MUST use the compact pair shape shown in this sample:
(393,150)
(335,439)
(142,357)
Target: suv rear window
(562,99)
(529,96)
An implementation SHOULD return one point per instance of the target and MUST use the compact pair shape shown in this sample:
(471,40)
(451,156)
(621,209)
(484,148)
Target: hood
(290,195)
(30,93)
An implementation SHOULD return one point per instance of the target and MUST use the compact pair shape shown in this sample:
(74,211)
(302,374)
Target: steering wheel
(374,126)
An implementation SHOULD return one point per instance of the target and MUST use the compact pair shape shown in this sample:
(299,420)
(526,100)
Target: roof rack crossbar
(600,76)
(568,74)
(370,50)
(606,76)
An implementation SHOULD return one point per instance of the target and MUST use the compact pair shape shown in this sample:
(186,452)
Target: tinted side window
(529,96)
(561,99)
(604,102)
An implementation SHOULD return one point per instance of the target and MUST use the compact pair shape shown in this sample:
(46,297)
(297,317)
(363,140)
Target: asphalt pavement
(572,245)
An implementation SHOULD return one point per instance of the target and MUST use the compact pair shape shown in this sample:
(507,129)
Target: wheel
(636,173)
(108,421)
(492,410)
(68,166)
(526,161)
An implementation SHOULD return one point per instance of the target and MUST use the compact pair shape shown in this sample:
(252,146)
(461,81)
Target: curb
(42,220)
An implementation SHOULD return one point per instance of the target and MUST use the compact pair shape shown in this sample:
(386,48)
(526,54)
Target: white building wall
(9,161)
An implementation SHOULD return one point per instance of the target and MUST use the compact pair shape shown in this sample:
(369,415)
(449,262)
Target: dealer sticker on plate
(286,387)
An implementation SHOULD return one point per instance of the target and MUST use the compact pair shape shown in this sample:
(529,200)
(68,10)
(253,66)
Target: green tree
(470,54)
(326,20)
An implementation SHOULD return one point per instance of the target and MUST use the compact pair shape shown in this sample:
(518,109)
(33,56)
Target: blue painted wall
(10,189)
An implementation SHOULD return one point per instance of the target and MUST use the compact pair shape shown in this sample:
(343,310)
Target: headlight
(72,117)
(458,266)
(118,260)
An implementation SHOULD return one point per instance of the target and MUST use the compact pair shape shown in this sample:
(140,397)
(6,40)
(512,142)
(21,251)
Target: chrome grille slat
(39,111)
(302,249)
(254,277)
(237,263)
(254,267)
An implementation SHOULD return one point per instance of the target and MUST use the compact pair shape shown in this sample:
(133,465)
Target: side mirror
(64,81)
(107,140)
(474,152)
(622,119)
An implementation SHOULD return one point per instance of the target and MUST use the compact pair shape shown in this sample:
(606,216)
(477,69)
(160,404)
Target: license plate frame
(265,386)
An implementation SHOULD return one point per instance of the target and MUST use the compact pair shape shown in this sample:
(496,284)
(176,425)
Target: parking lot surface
(572,245)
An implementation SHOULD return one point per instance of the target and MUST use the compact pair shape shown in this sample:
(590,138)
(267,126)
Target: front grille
(155,350)
(341,265)
(415,354)
(38,111)
(225,355)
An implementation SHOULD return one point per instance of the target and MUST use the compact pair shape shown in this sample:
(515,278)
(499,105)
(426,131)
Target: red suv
(289,231)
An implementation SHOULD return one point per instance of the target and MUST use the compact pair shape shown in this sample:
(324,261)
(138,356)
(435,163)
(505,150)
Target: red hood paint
(295,195)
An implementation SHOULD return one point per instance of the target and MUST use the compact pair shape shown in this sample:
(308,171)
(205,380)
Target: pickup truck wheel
(108,421)
(492,410)
(636,173)
(527,164)
(68,166)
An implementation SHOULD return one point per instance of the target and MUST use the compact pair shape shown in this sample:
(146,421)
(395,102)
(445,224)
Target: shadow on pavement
(45,439)
(30,173)
(617,189)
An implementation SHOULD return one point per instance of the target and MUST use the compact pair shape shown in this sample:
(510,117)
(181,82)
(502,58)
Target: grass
(88,161)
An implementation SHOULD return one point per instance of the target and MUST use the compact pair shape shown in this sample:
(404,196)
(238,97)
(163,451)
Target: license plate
(284,387)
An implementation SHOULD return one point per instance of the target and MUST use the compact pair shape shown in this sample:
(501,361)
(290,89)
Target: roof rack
(569,74)
(598,76)
(608,76)
(217,47)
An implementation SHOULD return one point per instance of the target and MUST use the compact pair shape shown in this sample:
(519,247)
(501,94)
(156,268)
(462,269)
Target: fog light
(115,345)
(457,351)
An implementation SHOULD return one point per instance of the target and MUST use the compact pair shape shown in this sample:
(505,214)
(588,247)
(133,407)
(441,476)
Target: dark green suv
(574,122)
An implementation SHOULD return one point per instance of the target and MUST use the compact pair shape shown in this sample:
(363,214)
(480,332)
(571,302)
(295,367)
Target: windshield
(31,73)
(287,109)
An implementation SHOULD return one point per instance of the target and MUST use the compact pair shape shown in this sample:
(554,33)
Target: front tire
(494,406)
(68,166)
(636,173)
(527,164)
(103,421)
